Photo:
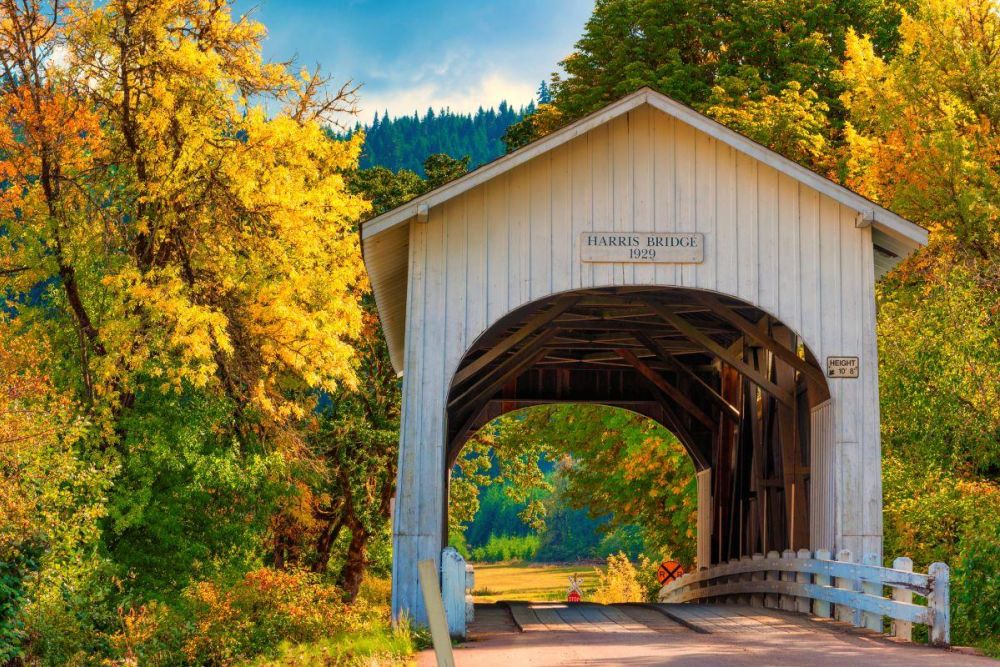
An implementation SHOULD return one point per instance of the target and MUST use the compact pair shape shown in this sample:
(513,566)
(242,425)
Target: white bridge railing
(842,589)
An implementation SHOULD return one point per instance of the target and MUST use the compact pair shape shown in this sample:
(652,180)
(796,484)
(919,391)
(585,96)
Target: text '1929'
(644,247)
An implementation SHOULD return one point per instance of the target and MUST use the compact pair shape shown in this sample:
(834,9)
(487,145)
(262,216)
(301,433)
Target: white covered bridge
(648,258)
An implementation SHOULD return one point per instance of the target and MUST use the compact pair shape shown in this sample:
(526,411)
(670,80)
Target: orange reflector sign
(668,571)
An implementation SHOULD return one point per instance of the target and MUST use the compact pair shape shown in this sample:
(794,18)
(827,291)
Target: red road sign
(669,570)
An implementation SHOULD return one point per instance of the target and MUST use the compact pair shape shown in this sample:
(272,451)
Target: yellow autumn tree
(922,136)
(182,201)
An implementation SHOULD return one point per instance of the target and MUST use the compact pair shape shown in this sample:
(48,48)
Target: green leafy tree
(752,49)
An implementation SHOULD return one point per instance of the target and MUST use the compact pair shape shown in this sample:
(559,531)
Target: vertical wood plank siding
(769,240)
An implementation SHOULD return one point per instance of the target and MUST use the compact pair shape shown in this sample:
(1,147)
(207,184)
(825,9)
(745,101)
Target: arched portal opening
(739,389)
(566,484)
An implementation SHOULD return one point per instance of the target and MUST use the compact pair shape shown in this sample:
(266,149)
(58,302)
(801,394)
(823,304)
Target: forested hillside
(404,142)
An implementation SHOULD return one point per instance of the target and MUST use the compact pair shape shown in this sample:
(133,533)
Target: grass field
(529,581)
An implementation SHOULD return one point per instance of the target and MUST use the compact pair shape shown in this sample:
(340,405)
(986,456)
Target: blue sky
(440,53)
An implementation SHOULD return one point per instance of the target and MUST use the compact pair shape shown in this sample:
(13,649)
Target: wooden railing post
(902,629)
(757,600)
(870,620)
(821,608)
(802,603)
(845,613)
(939,601)
(746,598)
(788,601)
(771,599)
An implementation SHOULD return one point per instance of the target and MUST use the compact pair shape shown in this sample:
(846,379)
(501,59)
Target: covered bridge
(649,258)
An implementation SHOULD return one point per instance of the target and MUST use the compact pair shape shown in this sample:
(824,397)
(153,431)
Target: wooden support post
(435,613)
(802,603)
(868,619)
(788,601)
(757,599)
(902,629)
(771,599)
(939,601)
(844,613)
(748,597)
(821,608)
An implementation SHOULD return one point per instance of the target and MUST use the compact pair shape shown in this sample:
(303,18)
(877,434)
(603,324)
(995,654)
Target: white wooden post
(902,629)
(470,585)
(788,601)
(802,603)
(870,620)
(771,599)
(453,584)
(939,601)
(843,612)
(757,599)
(821,608)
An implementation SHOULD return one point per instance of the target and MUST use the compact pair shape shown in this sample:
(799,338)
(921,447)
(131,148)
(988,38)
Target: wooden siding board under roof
(385,239)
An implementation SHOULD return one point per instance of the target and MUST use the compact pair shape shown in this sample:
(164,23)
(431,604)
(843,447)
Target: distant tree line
(405,142)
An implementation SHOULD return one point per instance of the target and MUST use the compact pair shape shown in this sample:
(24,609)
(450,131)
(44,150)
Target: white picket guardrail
(828,588)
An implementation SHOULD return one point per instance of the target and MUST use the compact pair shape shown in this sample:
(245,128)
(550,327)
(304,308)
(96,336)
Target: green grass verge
(371,647)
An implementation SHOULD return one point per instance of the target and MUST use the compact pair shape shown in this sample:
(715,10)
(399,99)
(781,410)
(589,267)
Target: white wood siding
(769,240)
(822,492)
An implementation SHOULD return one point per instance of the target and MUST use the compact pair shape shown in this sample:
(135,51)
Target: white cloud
(488,91)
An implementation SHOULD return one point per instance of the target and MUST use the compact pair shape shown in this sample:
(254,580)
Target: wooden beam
(538,321)
(487,385)
(694,335)
(677,427)
(754,333)
(664,355)
(460,436)
(670,390)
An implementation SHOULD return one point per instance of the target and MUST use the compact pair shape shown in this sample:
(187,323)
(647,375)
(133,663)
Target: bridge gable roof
(385,238)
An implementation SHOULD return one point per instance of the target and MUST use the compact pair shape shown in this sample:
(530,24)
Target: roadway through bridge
(544,634)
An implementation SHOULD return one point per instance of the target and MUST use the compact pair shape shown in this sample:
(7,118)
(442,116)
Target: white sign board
(643,247)
(843,367)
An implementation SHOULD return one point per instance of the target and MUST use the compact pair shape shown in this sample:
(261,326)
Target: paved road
(554,634)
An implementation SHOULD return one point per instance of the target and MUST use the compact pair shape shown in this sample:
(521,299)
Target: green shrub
(933,515)
(503,548)
(14,569)
(216,623)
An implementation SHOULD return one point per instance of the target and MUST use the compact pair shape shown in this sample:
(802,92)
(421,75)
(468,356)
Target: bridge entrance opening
(737,388)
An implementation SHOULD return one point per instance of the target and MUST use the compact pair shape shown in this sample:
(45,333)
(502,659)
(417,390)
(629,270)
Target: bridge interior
(731,382)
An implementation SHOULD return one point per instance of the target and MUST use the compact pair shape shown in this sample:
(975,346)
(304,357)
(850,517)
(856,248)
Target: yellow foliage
(198,238)
(922,135)
(619,582)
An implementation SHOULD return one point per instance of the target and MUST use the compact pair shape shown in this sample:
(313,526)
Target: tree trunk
(355,562)
(324,544)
